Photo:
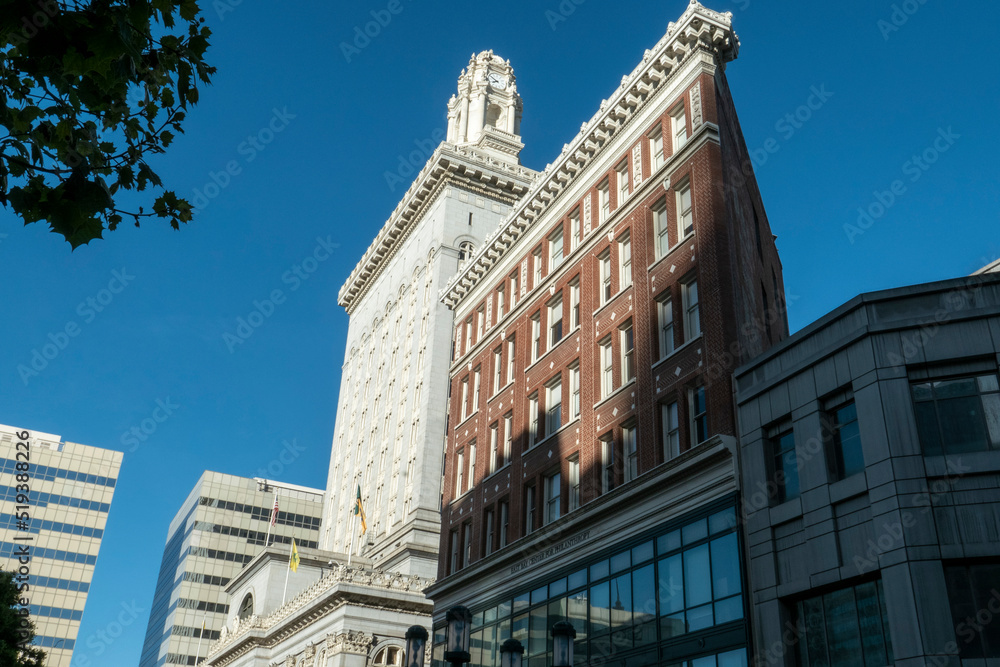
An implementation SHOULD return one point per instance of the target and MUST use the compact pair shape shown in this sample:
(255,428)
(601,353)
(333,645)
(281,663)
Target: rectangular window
(665,317)
(607,464)
(475,389)
(553,407)
(488,529)
(848,626)
(846,455)
(574,304)
(459,472)
(480,323)
(575,230)
(555,320)
(971,590)
(699,416)
(472,466)
(553,496)
(466,544)
(515,283)
(468,335)
(603,202)
(555,249)
(574,482)
(692,314)
(784,466)
(607,368)
(501,298)
(504,522)
(495,456)
(465,398)
(628,353)
(536,267)
(455,547)
(574,391)
(624,262)
(508,436)
(661,228)
(529,510)
(678,124)
(536,336)
(497,369)
(604,266)
(685,217)
(630,446)
(533,416)
(510,360)
(671,431)
(656,148)
(621,174)
(958,414)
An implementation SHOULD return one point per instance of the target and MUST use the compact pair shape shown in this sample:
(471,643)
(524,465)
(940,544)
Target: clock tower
(486,112)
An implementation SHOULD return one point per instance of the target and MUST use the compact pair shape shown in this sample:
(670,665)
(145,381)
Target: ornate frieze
(696,106)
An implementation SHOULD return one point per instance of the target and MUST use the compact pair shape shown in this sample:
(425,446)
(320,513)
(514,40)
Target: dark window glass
(958,415)
(972,589)
(785,466)
(848,457)
(845,628)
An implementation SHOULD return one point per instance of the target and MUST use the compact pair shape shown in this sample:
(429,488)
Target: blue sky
(916,84)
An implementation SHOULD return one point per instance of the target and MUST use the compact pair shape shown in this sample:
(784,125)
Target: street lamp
(416,644)
(511,653)
(459,625)
(563,634)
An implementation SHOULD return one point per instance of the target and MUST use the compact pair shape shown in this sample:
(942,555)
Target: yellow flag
(358,510)
(293,560)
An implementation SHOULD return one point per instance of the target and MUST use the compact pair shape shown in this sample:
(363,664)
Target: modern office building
(870,447)
(591,468)
(70,487)
(221,527)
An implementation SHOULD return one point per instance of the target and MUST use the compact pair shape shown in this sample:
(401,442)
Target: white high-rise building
(392,410)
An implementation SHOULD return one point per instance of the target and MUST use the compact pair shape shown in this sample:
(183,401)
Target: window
(553,496)
(607,464)
(575,230)
(453,539)
(957,415)
(510,360)
(678,124)
(553,407)
(533,416)
(497,369)
(465,398)
(574,391)
(847,626)
(604,266)
(508,435)
(573,464)
(628,353)
(692,315)
(555,249)
(480,323)
(846,457)
(656,148)
(536,267)
(495,457)
(504,522)
(475,389)
(466,544)
(536,336)
(972,589)
(699,416)
(501,298)
(465,250)
(630,445)
(459,471)
(555,320)
(661,228)
(607,368)
(685,218)
(488,529)
(621,173)
(784,466)
(574,304)
(388,657)
(603,202)
(624,262)
(514,284)
(529,510)
(468,335)
(665,315)
(671,431)
(246,608)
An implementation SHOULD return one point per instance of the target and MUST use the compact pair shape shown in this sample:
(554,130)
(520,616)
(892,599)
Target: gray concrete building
(870,462)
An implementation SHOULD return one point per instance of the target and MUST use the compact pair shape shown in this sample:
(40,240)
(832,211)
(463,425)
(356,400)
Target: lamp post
(459,621)
(416,645)
(511,653)
(563,634)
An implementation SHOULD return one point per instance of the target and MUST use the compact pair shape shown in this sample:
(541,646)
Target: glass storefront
(647,603)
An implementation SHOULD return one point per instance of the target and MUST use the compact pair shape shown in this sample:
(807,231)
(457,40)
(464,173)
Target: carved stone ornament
(696,106)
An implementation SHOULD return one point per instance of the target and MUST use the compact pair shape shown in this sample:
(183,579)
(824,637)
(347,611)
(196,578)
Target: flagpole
(287,573)
(197,655)
(267,540)
(351,551)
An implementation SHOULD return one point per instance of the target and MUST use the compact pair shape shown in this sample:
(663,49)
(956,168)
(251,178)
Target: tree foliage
(89,90)
(15,649)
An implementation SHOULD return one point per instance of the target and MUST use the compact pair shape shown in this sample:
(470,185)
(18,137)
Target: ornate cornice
(698,30)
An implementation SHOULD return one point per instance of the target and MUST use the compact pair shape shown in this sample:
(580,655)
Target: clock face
(498,81)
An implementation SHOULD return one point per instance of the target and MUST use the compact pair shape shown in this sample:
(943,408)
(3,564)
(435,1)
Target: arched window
(246,607)
(465,250)
(391,656)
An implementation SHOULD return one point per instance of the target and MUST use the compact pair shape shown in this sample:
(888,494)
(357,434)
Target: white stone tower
(486,112)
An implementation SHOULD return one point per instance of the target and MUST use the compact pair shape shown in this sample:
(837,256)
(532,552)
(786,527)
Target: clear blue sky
(324,175)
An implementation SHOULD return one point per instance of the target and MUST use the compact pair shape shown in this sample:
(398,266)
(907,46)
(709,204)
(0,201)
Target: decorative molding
(588,219)
(696,106)
(636,167)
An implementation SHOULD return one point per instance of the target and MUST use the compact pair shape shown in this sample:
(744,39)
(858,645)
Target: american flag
(274,512)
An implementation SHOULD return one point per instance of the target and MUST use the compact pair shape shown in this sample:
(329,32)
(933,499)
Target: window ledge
(552,348)
(630,383)
(466,420)
(500,391)
(550,436)
(614,297)
(673,249)
(677,350)
(496,472)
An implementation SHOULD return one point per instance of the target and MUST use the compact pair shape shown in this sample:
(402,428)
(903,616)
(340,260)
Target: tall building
(221,526)
(56,535)
(363,592)
(870,447)
(591,455)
